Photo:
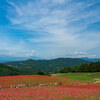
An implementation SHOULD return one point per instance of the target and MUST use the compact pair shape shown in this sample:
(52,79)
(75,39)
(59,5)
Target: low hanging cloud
(59,26)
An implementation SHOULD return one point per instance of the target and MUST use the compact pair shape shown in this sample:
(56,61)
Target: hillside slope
(91,59)
(80,76)
(48,66)
(8,70)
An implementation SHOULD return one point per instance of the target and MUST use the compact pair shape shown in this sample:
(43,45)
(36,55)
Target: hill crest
(48,66)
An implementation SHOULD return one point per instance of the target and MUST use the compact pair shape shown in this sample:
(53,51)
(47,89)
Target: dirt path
(97,80)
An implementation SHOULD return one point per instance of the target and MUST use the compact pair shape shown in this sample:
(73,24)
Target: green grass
(66,99)
(79,76)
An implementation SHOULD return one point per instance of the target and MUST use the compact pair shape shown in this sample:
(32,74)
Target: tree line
(92,67)
(6,70)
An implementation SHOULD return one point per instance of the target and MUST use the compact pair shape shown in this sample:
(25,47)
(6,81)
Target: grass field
(80,76)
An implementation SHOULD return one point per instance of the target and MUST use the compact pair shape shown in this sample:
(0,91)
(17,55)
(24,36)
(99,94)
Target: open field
(52,93)
(70,89)
(80,76)
(6,81)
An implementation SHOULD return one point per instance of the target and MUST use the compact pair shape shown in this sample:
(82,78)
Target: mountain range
(48,66)
(5,58)
(91,59)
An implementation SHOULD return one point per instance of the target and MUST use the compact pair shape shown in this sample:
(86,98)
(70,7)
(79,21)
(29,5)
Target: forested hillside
(92,67)
(48,66)
(8,70)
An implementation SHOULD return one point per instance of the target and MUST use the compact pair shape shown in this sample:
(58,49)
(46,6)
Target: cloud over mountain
(53,28)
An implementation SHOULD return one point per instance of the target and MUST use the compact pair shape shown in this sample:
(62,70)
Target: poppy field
(70,89)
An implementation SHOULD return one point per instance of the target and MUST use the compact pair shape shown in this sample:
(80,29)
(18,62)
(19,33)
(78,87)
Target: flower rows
(67,90)
(32,79)
(49,93)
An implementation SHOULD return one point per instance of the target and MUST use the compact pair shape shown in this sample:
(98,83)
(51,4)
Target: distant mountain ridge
(48,66)
(5,58)
(91,59)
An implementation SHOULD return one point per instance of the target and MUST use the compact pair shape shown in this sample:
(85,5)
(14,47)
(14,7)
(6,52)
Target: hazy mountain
(91,59)
(48,66)
(5,58)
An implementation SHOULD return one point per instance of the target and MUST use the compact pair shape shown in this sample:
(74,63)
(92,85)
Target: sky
(50,28)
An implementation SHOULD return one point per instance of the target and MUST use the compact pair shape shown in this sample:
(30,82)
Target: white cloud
(18,53)
(57,26)
(11,48)
(79,53)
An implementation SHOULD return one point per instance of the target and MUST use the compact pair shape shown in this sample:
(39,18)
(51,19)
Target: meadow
(80,76)
(72,87)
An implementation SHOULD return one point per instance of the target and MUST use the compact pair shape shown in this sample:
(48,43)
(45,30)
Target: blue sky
(50,28)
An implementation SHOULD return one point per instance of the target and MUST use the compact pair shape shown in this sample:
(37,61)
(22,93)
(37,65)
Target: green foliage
(40,73)
(92,67)
(8,70)
(66,70)
(47,66)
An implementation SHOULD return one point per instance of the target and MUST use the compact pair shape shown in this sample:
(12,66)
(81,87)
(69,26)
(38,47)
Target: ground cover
(6,81)
(51,93)
(70,89)
(79,76)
